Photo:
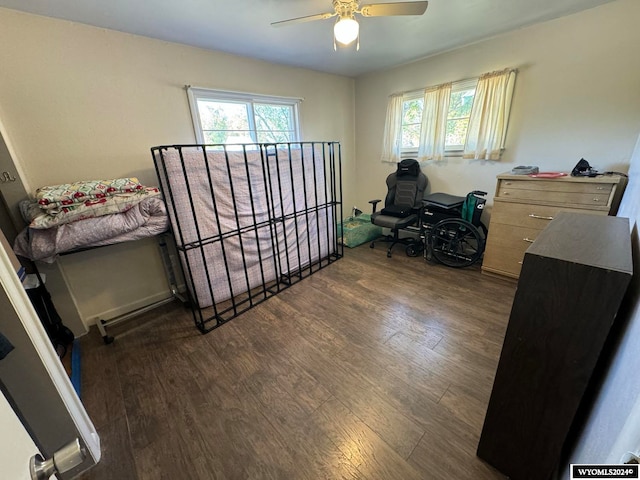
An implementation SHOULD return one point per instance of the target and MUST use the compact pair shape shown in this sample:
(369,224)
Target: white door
(16,446)
(35,383)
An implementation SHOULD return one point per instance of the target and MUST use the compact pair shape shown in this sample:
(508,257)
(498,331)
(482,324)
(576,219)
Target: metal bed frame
(329,192)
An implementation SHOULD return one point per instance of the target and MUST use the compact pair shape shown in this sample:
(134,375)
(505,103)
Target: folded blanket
(146,219)
(57,196)
(90,208)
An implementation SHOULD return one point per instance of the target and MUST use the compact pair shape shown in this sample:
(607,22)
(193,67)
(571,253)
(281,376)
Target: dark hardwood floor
(373,368)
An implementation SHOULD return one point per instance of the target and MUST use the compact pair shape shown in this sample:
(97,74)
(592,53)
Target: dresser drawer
(589,200)
(529,215)
(558,186)
(506,246)
(519,238)
(503,261)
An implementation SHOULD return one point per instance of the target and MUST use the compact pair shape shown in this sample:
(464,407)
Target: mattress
(242,218)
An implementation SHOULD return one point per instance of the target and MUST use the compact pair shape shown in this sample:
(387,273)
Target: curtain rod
(456,81)
(250,94)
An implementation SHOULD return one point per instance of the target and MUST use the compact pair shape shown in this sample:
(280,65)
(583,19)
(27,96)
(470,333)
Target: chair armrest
(374,203)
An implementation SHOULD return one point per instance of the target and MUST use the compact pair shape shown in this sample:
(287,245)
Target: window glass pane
(460,104)
(411,121)
(275,137)
(456,132)
(223,122)
(214,137)
(273,117)
(458,118)
(412,111)
(411,136)
(238,136)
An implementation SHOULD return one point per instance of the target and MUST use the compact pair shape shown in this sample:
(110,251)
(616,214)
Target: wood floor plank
(447,449)
(185,400)
(359,393)
(362,397)
(299,313)
(443,460)
(287,374)
(429,311)
(397,370)
(461,370)
(362,446)
(372,368)
(467,405)
(117,454)
(152,426)
(425,337)
(101,392)
(240,433)
(478,350)
(309,444)
(145,409)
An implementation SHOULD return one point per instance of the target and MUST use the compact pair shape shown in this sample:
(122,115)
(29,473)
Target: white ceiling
(242,27)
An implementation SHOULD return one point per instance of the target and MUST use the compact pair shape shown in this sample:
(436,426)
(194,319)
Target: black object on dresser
(573,279)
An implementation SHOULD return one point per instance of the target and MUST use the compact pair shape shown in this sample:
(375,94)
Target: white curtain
(489,115)
(434,122)
(392,140)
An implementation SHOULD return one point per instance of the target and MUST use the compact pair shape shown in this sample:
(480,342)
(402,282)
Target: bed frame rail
(250,220)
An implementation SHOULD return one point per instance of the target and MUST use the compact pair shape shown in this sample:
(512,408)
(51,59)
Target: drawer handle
(505,193)
(596,199)
(533,215)
(599,188)
(527,240)
(519,263)
(507,183)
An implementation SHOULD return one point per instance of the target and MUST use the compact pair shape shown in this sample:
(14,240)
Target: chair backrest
(406,186)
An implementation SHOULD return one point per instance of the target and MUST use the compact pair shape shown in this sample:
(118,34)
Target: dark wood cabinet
(573,279)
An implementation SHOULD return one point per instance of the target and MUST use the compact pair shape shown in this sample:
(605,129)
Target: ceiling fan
(346,28)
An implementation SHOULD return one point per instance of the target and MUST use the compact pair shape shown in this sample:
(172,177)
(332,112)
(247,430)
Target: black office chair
(405,189)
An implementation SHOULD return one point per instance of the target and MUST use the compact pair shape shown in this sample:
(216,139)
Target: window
(468,117)
(462,94)
(232,118)
(412,121)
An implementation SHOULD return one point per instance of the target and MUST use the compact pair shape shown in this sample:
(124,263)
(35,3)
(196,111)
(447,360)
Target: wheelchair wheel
(456,243)
(413,249)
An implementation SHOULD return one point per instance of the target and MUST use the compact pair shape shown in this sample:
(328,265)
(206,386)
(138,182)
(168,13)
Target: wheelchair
(444,233)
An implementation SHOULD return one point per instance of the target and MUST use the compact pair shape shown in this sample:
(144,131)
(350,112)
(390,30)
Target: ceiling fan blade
(308,18)
(388,9)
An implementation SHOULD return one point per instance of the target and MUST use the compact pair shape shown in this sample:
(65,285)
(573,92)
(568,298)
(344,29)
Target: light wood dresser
(523,206)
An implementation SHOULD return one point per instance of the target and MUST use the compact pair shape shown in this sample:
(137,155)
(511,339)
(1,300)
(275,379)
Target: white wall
(576,95)
(81,103)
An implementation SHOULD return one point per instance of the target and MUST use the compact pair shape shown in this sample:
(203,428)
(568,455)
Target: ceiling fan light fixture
(346,30)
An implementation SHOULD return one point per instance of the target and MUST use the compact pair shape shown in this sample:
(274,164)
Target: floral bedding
(37,217)
(68,194)
(145,219)
(94,213)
